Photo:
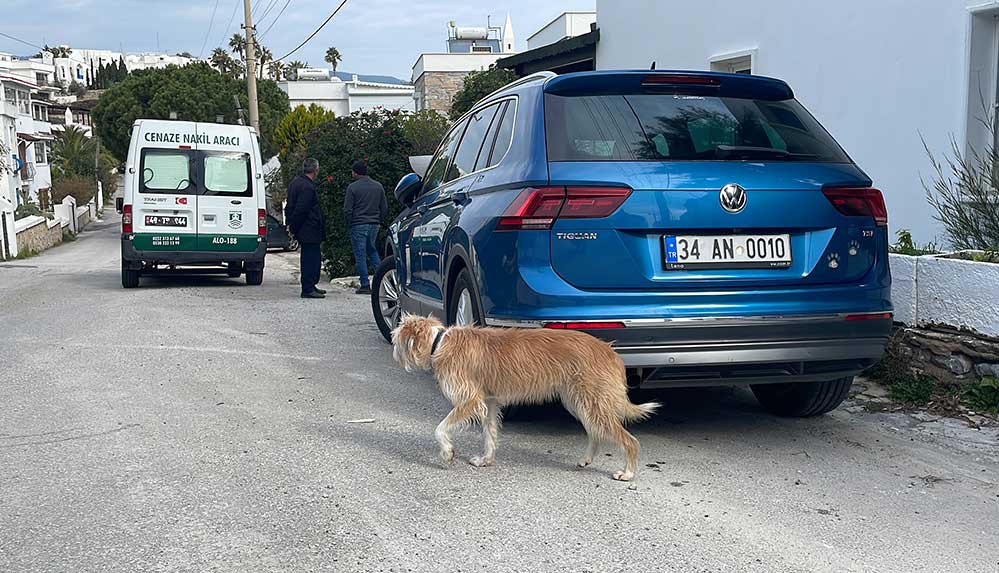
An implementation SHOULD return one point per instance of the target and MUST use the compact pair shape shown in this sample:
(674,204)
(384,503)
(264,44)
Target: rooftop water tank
(471,33)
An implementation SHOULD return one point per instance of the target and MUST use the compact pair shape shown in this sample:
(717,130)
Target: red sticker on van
(182,200)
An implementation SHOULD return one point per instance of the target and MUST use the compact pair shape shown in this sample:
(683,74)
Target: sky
(373,36)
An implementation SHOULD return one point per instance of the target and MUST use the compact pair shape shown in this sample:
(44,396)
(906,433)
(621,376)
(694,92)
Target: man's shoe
(363,290)
(313,294)
(319,290)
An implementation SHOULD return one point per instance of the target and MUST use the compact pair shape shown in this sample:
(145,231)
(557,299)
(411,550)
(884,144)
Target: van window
(166,171)
(504,134)
(471,143)
(227,173)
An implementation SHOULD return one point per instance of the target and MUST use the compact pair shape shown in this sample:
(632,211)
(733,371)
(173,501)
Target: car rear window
(680,127)
(166,171)
(227,173)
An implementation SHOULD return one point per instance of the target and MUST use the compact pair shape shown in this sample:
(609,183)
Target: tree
(57,51)
(478,85)
(77,89)
(264,55)
(290,133)
(333,58)
(291,71)
(72,153)
(237,44)
(185,55)
(424,130)
(275,70)
(196,92)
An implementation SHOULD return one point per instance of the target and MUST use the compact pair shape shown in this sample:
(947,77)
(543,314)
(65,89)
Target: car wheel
(464,302)
(234,270)
(385,297)
(291,246)
(802,399)
(129,277)
(255,278)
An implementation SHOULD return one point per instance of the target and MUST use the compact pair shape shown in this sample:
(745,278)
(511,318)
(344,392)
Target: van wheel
(802,399)
(129,277)
(255,278)
(385,297)
(463,304)
(234,269)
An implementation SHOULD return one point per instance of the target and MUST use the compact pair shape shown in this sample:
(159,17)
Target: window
(734,62)
(504,135)
(166,171)
(482,49)
(466,158)
(227,174)
(436,173)
(23,102)
(41,153)
(659,127)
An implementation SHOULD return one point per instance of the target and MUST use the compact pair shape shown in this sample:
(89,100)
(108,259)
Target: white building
(565,25)
(82,64)
(881,76)
(438,76)
(344,98)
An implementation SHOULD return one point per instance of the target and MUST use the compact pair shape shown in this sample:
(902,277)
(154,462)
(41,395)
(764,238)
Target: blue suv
(705,223)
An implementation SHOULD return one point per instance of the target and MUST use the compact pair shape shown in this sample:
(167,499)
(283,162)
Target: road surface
(201,424)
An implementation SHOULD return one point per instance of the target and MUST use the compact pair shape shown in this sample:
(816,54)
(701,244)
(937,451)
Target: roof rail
(535,76)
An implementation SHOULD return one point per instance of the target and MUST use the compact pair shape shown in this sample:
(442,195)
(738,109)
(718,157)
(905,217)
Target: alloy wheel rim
(388,298)
(463,314)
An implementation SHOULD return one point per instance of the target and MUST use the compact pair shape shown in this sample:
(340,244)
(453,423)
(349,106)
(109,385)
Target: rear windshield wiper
(747,152)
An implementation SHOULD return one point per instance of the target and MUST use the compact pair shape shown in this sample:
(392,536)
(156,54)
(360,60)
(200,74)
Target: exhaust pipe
(634,378)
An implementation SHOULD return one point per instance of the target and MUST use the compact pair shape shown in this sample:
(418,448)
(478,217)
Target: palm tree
(333,57)
(264,55)
(72,153)
(292,69)
(275,70)
(221,60)
(237,44)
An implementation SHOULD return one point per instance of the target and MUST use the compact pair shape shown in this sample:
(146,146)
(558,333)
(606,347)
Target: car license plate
(726,252)
(165,221)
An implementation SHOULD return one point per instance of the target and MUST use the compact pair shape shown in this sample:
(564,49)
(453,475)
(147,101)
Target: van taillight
(859,202)
(538,208)
(126,219)
(261,222)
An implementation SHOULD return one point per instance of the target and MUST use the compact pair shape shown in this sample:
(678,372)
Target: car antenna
(653,65)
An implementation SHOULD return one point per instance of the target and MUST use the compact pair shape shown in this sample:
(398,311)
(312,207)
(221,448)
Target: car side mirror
(420,164)
(408,188)
(119,204)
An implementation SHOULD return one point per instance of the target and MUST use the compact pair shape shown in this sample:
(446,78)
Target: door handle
(422,209)
(460,197)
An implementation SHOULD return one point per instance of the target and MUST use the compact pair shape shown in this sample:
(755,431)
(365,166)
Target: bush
(906,246)
(82,189)
(424,130)
(29,210)
(478,85)
(984,396)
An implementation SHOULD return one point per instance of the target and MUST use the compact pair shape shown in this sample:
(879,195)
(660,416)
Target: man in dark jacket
(307,223)
(365,207)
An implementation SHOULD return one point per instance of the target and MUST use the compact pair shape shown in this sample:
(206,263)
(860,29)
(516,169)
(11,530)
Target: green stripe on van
(174,242)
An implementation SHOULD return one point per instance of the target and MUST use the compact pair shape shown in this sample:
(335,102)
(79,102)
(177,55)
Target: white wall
(878,75)
(567,25)
(342,98)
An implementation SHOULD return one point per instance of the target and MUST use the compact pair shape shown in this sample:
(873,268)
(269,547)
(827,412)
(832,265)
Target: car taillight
(583,325)
(538,208)
(859,202)
(261,222)
(126,219)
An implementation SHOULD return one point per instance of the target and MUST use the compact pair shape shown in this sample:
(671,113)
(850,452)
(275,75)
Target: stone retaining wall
(39,237)
(948,355)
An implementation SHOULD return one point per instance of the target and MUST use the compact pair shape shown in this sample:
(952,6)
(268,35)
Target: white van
(193,197)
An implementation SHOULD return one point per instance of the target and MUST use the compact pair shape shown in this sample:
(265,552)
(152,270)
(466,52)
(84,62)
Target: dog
(481,370)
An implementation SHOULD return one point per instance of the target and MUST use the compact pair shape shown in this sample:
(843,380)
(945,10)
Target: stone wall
(950,356)
(39,237)
(437,89)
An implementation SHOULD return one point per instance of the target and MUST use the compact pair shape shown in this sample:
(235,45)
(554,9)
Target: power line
(312,35)
(209,32)
(231,18)
(267,11)
(274,21)
(21,41)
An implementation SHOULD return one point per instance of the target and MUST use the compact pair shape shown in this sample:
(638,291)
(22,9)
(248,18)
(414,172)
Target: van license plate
(726,252)
(165,221)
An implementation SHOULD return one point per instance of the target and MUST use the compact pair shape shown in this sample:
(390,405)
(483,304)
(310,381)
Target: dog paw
(480,462)
(583,463)
(623,476)
(447,456)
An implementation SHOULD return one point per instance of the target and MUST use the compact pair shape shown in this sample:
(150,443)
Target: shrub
(916,390)
(424,130)
(983,396)
(29,210)
(82,189)
(906,246)
(478,85)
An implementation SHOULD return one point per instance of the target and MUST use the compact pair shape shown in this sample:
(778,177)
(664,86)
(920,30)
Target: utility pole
(251,67)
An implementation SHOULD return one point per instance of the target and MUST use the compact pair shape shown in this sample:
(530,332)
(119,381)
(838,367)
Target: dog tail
(639,412)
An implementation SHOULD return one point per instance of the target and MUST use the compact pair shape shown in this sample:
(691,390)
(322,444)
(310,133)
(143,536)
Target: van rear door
(165,201)
(227,206)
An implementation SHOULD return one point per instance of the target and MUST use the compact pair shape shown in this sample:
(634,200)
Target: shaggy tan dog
(482,369)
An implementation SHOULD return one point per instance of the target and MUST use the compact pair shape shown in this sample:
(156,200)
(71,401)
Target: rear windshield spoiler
(650,81)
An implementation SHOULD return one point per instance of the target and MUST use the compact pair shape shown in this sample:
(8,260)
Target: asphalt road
(201,424)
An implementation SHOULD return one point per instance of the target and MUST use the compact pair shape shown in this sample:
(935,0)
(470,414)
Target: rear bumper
(745,350)
(133,259)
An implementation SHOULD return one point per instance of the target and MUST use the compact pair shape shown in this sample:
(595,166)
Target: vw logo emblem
(732,198)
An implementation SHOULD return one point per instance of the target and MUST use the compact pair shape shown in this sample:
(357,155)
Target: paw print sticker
(833,260)
(854,248)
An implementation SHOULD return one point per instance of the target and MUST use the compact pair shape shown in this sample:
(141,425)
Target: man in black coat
(307,223)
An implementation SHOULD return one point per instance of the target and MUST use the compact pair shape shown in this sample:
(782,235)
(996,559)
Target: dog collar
(437,341)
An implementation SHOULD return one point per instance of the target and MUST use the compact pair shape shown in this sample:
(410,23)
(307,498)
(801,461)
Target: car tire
(802,399)
(463,302)
(292,245)
(129,277)
(233,270)
(385,297)
(255,278)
